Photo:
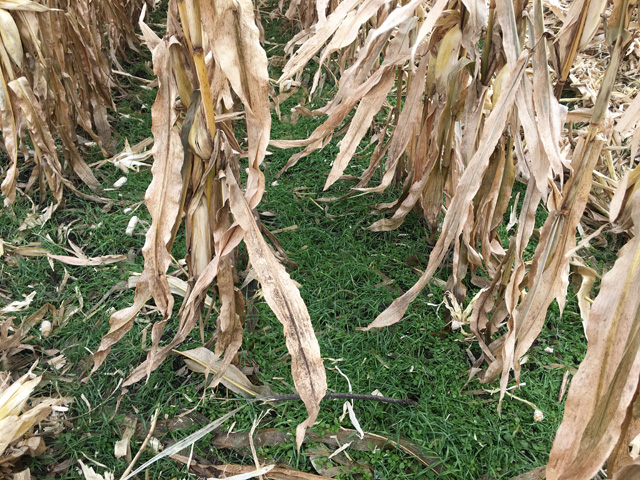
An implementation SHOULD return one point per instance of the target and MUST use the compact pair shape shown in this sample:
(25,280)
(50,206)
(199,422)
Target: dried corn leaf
(11,37)
(88,262)
(369,106)
(164,195)
(164,200)
(10,138)
(203,360)
(284,299)
(15,419)
(466,190)
(607,379)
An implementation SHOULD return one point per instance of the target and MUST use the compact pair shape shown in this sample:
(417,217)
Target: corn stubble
(476,107)
(210,57)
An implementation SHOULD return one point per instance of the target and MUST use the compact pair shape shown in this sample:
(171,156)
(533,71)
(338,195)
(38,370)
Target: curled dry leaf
(203,360)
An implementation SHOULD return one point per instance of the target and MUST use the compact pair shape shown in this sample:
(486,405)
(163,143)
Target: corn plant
(476,106)
(210,54)
(55,78)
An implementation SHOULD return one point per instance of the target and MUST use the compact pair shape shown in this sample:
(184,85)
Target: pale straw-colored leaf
(284,299)
(203,360)
(607,378)
(11,37)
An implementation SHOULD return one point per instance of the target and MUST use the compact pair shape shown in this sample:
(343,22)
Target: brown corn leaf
(322,34)
(284,299)
(579,27)
(407,121)
(628,446)
(549,274)
(163,199)
(73,90)
(607,379)
(629,472)
(427,26)
(121,322)
(620,207)
(11,37)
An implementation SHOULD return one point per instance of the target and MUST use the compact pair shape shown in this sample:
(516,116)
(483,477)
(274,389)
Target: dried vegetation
(57,80)
(461,100)
(477,107)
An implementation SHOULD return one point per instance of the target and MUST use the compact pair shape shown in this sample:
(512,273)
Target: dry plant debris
(18,419)
(478,94)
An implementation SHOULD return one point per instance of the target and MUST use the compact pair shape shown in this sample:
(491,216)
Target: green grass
(341,267)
